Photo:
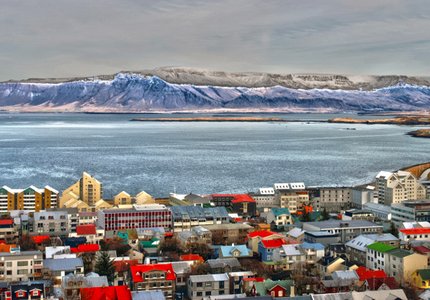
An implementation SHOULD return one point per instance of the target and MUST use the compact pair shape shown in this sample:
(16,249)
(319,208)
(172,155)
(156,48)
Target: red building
(242,204)
(154,277)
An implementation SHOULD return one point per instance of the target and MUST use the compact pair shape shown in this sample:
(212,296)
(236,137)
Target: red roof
(191,257)
(236,198)
(375,283)
(120,292)
(257,279)
(6,221)
(138,270)
(39,239)
(124,265)
(415,231)
(260,233)
(421,249)
(276,243)
(85,248)
(86,229)
(365,273)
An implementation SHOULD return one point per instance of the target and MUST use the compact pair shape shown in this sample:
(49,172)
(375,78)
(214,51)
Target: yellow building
(123,198)
(421,279)
(31,198)
(144,198)
(87,189)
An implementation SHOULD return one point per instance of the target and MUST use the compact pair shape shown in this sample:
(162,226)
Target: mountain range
(185,89)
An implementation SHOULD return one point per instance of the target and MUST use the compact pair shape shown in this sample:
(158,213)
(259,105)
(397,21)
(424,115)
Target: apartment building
(411,210)
(357,247)
(279,217)
(122,198)
(331,199)
(229,233)
(51,223)
(31,198)
(8,232)
(186,217)
(265,197)
(21,266)
(347,230)
(205,286)
(154,277)
(397,263)
(140,216)
(363,194)
(396,187)
(291,195)
(87,189)
(197,235)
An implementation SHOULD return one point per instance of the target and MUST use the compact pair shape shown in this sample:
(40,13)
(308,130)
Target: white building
(397,187)
(380,211)
(202,286)
(291,195)
(265,197)
(362,195)
(22,266)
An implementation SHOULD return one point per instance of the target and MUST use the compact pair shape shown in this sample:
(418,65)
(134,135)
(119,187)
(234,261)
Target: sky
(62,38)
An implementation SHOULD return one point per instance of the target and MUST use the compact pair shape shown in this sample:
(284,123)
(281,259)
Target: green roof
(424,274)
(380,247)
(280,211)
(152,243)
(263,287)
(400,253)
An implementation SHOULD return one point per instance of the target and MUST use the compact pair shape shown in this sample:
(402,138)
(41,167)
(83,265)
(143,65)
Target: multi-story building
(122,198)
(363,194)
(243,204)
(279,217)
(87,189)
(51,223)
(291,195)
(21,266)
(8,232)
(357,247)
(380,211)
(296,256)
(154,277)
(205,286)
(411,210)
(396,187)
(186,217)
(265,197)
(31,198)
(347,230)
(331,199)
(58,268)
(397,263)
(140,216)
(197,235)
(229,233)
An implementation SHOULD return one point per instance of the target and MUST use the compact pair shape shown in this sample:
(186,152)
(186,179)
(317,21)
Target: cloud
(70,38)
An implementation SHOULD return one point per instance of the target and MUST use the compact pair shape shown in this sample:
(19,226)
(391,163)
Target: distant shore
(420,133)
(212,119)
(406,120)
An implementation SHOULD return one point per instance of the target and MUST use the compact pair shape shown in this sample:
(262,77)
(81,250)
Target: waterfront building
(291,195)
(87,189)
(396,187)
(30,199)
(242,204)
(331,199)
(21,266)
(140,216)
(347,230)
(205,286)
(265,197)
(411,210)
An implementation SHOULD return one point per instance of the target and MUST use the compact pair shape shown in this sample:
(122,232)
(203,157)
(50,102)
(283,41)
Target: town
(289,241)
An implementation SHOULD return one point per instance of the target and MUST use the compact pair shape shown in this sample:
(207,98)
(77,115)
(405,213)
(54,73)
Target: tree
(171,245)
(200,269)
(88,260)
(325,215)
(117,244)
(201,249)
(26,243)
(104,266)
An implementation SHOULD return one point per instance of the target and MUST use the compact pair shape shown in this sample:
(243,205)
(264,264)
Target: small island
(400,120)
(210,119)
(421,133)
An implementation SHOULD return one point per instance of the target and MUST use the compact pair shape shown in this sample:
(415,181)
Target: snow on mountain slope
(134,92)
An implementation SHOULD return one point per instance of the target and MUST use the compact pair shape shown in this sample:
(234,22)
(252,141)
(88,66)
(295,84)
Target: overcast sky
(59,38)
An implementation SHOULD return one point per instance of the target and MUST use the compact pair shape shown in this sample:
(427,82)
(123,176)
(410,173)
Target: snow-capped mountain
(135,92)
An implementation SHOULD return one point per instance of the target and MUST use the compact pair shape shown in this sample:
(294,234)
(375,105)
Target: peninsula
(422,133)
(401,120)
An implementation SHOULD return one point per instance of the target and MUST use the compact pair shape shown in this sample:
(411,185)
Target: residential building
(275,289)
(331,199)
(154,277)
(291,195)
(398,263)
(323,237)
(296,235)
(202,286)
(120,292)
(234,251)
(279,217)
(26,290)
(223,265)
(421,279)
(72,284)
(242,204)
(197,235)
(396,187)
(358,214)
(54,223)
(265,198)
(380,211)
(31,198)
(224,234)
(87,189)
(58,268)
(363,194)
(255,237)
(8,232)
(413,210)
(140,216)
(347,230)
(21,266)
(329,264)
(357,247)
(122,198)
(186,217)
(267,247)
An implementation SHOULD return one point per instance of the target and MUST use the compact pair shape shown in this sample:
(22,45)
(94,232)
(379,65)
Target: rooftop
(380,247)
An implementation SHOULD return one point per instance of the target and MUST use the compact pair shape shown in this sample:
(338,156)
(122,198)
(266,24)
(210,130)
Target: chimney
(292,291)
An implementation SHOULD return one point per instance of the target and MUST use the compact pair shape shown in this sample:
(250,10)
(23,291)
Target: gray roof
(223,262)
(63,264)
(198,212)
(329,224)
(22,253)
(147,295)
(209,277)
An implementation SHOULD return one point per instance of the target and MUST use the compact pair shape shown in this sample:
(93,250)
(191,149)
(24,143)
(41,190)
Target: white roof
(148,206)
(297,185)
(178,196)
(360,242)
(410,225)
(209,277)
(345,275)
(296,232)
(51,189)
(281,186)
(267,191)
(384,174)
(291,249)
(289,186)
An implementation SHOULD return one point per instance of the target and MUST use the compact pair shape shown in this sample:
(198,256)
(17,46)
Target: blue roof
(227,251)
(280,211)
(314,246)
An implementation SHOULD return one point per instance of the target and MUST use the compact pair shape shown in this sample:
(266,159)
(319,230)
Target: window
(199,294)
(199,284)
(208,293)
(22,263)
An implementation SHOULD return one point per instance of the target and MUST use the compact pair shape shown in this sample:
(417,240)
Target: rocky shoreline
(420,133)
